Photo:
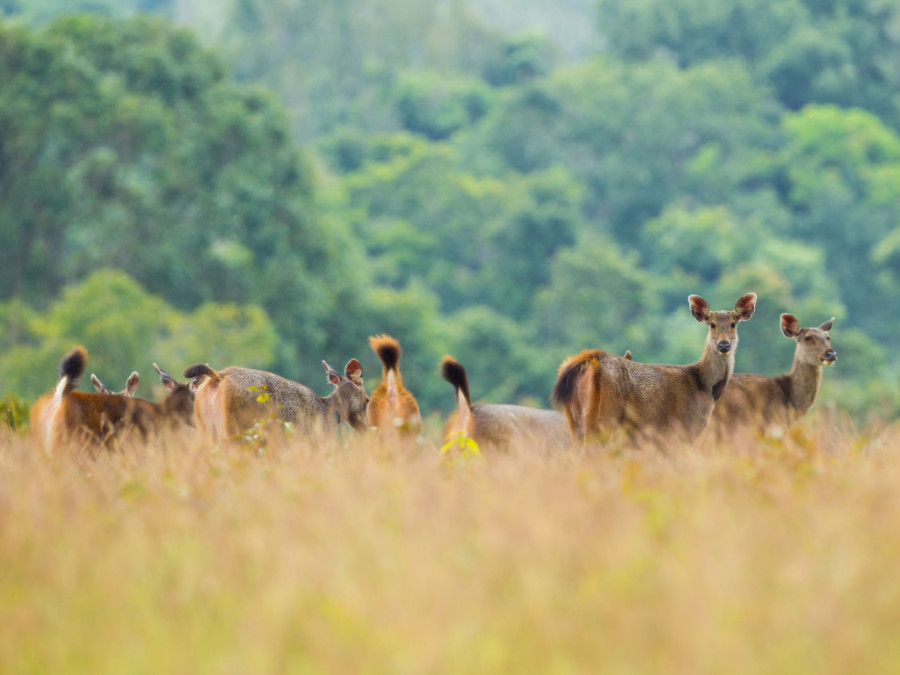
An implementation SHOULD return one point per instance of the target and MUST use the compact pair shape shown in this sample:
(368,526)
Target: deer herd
(598,393)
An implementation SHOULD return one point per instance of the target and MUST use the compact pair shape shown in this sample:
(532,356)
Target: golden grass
(761,557)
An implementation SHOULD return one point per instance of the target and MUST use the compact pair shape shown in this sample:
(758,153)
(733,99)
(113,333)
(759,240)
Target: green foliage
(351,56)
(520,59)
(14,412)
(598,295)
(124,328)
(634,135)
(842,52)
(836,171)
(436,107)
(127,147)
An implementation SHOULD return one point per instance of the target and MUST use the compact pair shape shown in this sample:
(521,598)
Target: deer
(392,406)
(600,392)
(234,399)
(500,426)
(131,385)
(68,415)
(761,402)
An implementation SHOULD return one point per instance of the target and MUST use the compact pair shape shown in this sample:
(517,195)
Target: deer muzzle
(829,357)
(723,347)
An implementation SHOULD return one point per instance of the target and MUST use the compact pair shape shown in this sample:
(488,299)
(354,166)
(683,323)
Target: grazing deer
(131,385)
(760,402)
(500,426)
(392,406)
(177,408)
(600,392)
(69,415)
(232,400)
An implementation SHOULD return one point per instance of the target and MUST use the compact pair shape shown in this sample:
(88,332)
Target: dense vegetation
(777,557)
(326,171)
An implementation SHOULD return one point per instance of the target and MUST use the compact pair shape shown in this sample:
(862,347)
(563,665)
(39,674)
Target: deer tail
(201,370)
(387,349)
(462,420)
(570,372)
(71,368)
(453,371)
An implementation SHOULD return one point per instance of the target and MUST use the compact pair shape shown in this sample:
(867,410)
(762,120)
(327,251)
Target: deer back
(241,396)
(500,426)
(508,427)
(232,400)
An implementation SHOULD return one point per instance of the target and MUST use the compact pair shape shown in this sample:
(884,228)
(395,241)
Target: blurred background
(266,183)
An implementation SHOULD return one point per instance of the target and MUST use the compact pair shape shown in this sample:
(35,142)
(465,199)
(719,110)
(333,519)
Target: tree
(123,144)
(599,296)
(843,52)
(837,175)
(634,135)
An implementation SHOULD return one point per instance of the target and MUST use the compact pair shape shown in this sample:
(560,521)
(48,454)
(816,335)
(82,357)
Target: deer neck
(333,407)
(805,380)
(715,370)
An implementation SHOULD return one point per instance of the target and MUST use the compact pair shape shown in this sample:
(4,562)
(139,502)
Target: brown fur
(500,426)
(760,402)
(225,405)
(392,407)
(600,392)
(67,416)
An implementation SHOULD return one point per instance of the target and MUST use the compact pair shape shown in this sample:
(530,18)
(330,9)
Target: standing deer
(500,426)
(600,392)
(68,415)
(392,406)
(232,400)
(760,402)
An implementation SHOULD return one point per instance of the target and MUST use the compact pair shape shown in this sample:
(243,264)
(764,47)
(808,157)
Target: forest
(267,183)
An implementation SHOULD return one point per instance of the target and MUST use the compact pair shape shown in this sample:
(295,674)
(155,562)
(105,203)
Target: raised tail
(388,350)
(453,371)
(462,420)
(200,370)
(71,368)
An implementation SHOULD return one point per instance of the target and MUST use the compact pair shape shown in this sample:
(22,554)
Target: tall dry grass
(184,557)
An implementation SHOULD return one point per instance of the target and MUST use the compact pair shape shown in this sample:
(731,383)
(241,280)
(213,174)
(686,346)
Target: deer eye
(808,338)
(733,324)
(712,325)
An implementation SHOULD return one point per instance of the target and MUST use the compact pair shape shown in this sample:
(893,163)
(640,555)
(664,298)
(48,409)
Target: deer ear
(790,326)
(827,325)
(131,383)
(98,385)
(699,308)
(167,380)
(353,371)
(333,376)
(745,307)
(627,355)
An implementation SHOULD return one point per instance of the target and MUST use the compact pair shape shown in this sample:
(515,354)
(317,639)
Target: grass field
(759,557)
